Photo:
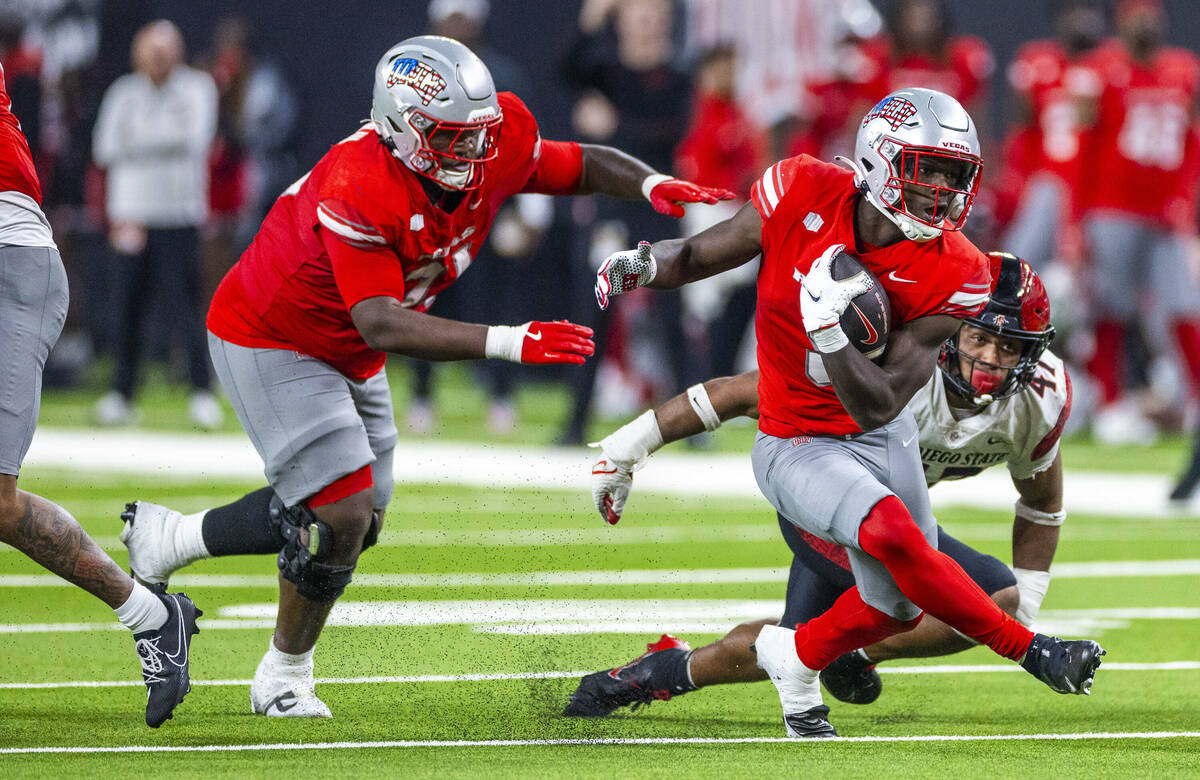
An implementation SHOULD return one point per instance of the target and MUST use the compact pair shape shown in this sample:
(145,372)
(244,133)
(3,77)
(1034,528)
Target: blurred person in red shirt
(1042,165)
(725,147)
(1138,206)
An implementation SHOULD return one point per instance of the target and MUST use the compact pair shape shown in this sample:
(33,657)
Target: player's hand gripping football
(667,195)
(611,484)
(823,299)
(623,271)
(540,342)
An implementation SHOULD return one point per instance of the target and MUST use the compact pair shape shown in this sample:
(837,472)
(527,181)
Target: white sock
(862,653)
(189,538)
(142,611)
(296,661)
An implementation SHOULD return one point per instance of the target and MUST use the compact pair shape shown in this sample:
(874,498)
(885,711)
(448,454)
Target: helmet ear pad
(404,144)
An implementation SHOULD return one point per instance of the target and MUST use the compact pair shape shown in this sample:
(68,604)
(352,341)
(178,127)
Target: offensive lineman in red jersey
(834,453)
(33,307)
(341,273)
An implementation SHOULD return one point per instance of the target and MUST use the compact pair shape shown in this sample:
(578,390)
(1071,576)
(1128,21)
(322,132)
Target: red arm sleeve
(362,273)
(559,168)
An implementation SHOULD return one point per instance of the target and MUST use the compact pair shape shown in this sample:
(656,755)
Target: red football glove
(540,342)
(667,194)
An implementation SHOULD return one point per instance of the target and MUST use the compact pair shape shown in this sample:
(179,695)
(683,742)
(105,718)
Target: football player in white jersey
(999,396)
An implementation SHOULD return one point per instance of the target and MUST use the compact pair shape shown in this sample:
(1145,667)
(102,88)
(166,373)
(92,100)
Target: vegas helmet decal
(423,79)
(895,110)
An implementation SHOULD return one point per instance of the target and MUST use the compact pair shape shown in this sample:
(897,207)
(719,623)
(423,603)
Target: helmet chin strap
(911,228)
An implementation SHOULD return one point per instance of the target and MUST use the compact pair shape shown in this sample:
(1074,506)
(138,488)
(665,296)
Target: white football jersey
(1022,430)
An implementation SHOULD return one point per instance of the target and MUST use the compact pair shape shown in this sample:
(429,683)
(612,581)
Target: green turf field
(415,617)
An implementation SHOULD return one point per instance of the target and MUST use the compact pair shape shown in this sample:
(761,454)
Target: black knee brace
(372,535)
(309,541)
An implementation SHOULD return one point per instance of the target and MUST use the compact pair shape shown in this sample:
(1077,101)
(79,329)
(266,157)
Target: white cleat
(285,693)
(804,713)
(160,541)
(204,410)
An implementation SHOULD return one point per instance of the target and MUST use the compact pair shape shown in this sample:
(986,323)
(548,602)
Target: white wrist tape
(1033,585)
(505,342)
(652,181)
(829,339)
(632,443)
(702,406)
(1038,517)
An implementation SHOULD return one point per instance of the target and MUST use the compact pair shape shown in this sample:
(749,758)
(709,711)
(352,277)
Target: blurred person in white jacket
(152,137)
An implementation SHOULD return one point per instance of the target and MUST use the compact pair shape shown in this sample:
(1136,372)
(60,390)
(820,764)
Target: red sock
(1107,362)
(1187,338)
(849,624)
(936,583)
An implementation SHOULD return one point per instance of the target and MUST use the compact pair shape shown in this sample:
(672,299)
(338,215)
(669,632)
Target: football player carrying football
(834,453)
(341,273)
(33,304)
(999,397)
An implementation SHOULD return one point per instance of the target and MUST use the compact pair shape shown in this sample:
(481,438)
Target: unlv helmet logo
(423,80)
(895,110)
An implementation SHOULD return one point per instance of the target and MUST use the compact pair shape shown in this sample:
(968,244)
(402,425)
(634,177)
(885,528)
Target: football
(868,319)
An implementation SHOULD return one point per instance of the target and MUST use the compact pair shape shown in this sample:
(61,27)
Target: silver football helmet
(916,158)
(435,107)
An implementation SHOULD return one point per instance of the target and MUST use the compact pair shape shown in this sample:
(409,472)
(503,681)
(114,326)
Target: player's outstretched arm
(389,327)
(875,394)
(703,407)
(675,262)
(1036,527)
(613,172)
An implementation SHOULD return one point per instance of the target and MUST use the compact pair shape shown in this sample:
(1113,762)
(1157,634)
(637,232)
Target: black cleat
(1186,487)
(852,679)
(1066,665)
(163,653)
(601,693)
(811,724)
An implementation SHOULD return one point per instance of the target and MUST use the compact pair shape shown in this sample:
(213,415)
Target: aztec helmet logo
(896,111)
(423,80)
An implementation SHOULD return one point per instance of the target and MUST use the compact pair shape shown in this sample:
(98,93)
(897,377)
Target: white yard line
(159,454)
(489,743)
(1108,666)
(1061,571)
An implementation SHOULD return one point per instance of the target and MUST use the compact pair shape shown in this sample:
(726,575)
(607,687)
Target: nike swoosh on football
(895,278)
(870,329)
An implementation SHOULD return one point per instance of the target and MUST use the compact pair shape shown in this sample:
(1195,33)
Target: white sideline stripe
(1061,571)
(584,616)
(437,743)
(159,454)
(1168,666)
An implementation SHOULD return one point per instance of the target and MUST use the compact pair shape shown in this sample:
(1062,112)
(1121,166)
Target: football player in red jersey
(999,396)
(1139,199)
(834,450)
(1044,147)
(341,273)
(33,305)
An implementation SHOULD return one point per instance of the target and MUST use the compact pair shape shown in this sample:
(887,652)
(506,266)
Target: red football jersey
(285,292)
(1142,136)
(806,205)
(963,74)
(1052,84)
(16,163)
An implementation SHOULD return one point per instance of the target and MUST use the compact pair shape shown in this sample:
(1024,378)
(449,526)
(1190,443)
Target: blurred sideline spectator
(253,156)
(1138,205)
(637,99)
(494,289)
(152,137)
(723,148)
(784,47)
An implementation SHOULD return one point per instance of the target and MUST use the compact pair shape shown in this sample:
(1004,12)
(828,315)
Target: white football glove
(625,450)
(823,299)
(611,485)
(623,271)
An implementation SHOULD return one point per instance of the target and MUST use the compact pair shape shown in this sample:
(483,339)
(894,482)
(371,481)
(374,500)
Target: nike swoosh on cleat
(279,703)
(895,278)
(180,639)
